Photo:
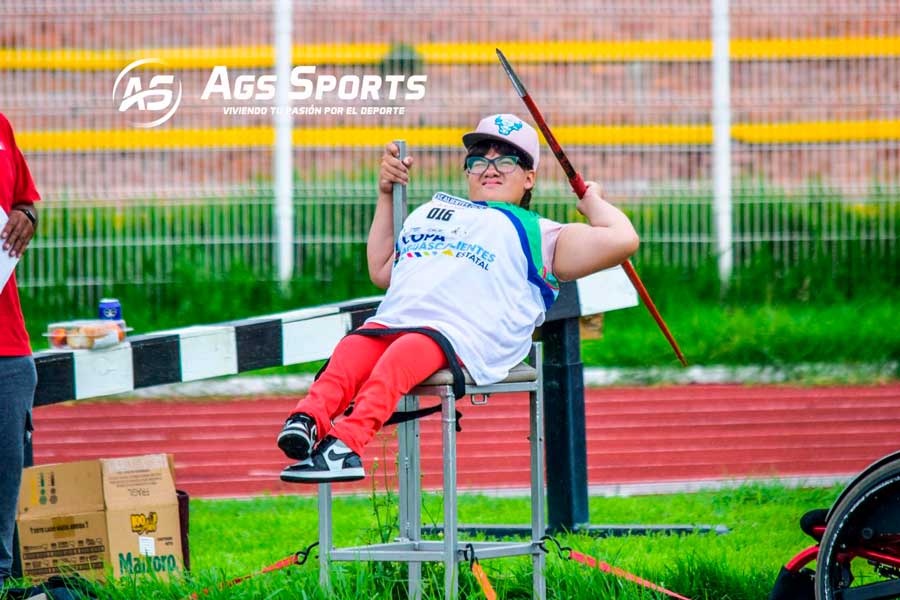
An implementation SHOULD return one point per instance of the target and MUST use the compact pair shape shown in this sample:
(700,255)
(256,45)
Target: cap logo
(507,126)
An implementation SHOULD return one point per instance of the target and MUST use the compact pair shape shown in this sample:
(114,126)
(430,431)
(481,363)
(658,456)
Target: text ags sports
(306,85)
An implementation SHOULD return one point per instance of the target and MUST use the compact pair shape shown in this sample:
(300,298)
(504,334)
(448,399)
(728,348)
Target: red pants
(376,372)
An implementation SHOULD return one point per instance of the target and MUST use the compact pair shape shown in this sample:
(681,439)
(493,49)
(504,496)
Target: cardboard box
(83,516)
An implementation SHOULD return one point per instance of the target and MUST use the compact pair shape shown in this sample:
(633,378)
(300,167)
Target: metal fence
(815,98)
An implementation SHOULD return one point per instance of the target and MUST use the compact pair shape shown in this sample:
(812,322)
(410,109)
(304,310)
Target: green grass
(860,331)
(233,537)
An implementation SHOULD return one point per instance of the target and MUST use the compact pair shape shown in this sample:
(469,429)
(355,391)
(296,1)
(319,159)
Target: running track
(635,435)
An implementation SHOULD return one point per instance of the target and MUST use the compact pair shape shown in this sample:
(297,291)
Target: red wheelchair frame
(858,552)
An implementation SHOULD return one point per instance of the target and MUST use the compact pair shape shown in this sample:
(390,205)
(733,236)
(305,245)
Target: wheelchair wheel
(859,555)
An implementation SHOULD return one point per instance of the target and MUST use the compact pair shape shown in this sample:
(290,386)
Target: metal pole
(536,443)
(451,531)
(408,434)
(399,191)
(722,139)
(410,501)
(284,181)
(326,540)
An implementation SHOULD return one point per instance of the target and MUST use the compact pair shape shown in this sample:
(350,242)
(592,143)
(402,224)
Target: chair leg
(410,491)
(451,542)
(325,540)
(538,526)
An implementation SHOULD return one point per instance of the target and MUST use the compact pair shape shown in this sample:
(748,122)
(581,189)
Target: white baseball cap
(506,128)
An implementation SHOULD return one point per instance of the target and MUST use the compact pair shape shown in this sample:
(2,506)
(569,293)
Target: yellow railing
(82,59)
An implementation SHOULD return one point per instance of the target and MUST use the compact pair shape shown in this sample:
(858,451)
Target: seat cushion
(522,372)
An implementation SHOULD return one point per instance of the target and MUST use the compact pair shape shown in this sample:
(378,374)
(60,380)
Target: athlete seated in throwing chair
(479,272)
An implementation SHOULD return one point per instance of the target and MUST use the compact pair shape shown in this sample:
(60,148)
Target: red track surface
(634,435)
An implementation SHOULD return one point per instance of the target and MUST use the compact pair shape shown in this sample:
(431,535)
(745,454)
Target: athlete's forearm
(380,244)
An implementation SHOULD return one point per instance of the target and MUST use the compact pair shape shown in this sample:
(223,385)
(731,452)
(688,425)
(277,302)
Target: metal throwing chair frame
(409,546)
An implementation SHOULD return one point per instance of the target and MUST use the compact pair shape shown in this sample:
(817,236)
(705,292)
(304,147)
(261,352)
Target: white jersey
(479,273)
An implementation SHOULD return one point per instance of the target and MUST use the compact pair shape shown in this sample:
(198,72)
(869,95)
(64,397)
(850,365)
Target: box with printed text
(85,516)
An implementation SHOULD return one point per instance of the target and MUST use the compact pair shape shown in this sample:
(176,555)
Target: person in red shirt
(18,377)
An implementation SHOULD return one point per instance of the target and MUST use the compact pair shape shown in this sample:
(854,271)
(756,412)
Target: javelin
(580,188)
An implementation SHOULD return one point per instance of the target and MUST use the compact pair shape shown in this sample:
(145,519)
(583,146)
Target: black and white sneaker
(298,436)
(331,461)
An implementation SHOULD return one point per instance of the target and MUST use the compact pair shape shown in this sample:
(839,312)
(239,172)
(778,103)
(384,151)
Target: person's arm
(380,245)
(18,230)
(608,240)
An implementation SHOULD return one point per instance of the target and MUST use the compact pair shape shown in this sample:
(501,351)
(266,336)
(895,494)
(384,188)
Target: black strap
(402,416)
(459,379)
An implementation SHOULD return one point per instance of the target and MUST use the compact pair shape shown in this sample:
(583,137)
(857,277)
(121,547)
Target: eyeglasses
(476,165)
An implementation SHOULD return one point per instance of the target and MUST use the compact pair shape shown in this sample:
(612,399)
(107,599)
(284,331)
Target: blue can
(110,309)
